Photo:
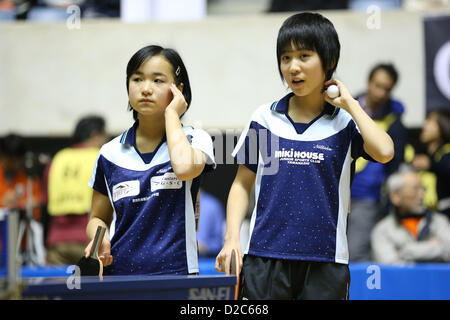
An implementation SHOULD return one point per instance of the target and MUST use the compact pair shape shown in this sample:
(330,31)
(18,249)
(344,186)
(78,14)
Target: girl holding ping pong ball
(297,153)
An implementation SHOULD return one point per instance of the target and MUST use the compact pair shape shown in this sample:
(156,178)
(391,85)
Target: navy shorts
(277,279)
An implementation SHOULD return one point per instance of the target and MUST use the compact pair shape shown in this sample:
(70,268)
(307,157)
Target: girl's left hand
(178,103)
(344,100)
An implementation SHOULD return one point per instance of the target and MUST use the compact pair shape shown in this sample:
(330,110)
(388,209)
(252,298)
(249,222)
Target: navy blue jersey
(153,231)
(302,187)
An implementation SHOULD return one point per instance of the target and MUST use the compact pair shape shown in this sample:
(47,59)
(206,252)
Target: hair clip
(177,72)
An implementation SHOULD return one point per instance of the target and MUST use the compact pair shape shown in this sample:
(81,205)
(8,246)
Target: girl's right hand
(223,259)
(104,252)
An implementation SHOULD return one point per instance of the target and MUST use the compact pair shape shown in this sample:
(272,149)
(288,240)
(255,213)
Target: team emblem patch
(126,189)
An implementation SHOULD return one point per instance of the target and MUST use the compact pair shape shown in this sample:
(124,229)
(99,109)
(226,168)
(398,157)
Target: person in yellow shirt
(68,194)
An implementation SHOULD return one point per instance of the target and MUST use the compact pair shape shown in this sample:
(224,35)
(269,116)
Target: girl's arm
(101,215)
(377,143)
(187,162)
(237,207)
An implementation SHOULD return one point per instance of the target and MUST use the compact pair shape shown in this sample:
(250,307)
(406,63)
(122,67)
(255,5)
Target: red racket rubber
(235,270)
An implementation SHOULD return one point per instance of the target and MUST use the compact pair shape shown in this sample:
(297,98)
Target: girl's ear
(180,86)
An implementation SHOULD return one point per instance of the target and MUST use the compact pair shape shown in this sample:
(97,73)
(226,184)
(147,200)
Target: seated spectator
(69,196)
(428,178)
(20,191)
(368,202)
(50,10)
(15,184)
(306,5)
(436,135)
(421,5)
(101,9)
(363,5)
(7,11)
(211,225)
(410,233)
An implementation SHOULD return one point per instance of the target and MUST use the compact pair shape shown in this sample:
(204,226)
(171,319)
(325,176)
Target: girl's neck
(151,128)
(306,108)
(149,133)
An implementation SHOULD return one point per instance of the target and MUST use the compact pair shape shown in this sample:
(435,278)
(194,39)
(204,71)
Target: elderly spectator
(410,233)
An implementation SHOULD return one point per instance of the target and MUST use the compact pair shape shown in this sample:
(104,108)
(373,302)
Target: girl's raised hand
(178,103)
(343,100)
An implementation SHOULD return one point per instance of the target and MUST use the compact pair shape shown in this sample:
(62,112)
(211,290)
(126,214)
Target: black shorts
(267,278)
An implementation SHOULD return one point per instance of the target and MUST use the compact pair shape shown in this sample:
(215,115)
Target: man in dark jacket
(370,176)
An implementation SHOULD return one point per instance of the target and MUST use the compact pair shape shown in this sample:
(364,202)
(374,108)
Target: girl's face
(302,70)
(149,87)
(430,131)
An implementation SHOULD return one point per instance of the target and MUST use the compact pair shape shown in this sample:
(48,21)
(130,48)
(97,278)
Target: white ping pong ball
(333,91)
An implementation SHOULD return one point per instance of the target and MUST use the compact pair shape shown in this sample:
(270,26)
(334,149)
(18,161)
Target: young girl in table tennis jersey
(297,152)
(146,180)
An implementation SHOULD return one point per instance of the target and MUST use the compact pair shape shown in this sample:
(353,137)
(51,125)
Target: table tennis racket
(235,270)
(93,266)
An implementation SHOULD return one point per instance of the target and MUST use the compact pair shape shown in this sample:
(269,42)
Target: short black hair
(388,67)
(172,57)
(311,31)
(87,126)
(12,145)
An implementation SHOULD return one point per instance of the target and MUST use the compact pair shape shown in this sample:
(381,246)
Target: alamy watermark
(374,280)
(74,280)
(73,22)
(373,22)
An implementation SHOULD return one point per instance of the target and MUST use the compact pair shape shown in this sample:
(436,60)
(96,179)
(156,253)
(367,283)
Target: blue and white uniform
(302,187)
(153,231)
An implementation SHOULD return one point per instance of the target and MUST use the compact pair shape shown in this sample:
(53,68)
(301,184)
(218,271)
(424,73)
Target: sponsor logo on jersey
(164,170)
(299,157)
(318,146)
(143,199)
(125,189)
(167,181)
